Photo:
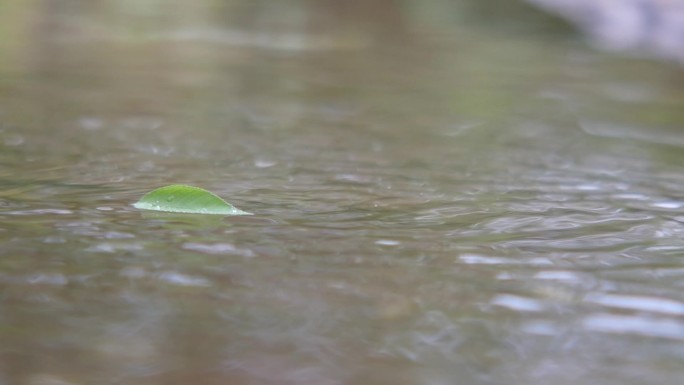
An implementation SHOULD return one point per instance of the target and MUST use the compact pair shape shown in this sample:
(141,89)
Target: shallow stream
(443,195)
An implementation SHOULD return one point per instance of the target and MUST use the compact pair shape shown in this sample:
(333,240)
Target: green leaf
(178,198)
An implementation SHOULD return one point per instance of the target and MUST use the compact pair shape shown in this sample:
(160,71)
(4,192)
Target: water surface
(443,195)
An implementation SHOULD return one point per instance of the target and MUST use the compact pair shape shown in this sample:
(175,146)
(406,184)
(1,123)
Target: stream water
(444,194)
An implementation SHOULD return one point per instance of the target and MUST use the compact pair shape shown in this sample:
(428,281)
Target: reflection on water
(648,25)
(441,197)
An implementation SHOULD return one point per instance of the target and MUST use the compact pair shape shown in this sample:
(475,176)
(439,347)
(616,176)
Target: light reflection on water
(482,217)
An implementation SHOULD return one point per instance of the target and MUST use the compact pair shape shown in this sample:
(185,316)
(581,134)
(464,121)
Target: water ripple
(518,303)
(218,248)
(180,279)
(637,303)
(636,325)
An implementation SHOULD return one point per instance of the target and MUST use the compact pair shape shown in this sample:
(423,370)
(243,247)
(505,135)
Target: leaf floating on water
(179,198)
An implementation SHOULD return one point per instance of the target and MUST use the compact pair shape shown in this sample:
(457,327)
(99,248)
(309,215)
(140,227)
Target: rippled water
(440,198)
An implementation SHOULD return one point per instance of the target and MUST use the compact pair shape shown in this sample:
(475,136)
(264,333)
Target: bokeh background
(445,192)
